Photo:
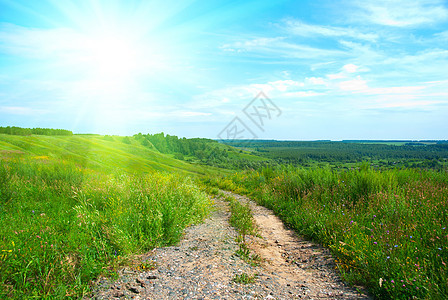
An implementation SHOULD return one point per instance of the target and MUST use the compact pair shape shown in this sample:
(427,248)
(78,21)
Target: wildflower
(375,243)
(392,281)
(395,246)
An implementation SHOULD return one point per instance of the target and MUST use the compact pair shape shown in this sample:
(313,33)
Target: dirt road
(204,265)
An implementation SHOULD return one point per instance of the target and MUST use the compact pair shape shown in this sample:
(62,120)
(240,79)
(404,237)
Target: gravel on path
(204,265)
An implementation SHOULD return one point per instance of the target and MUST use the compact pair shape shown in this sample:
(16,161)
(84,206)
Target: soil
(204,265)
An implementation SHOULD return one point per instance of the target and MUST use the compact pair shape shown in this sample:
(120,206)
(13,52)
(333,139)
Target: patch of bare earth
(204,265)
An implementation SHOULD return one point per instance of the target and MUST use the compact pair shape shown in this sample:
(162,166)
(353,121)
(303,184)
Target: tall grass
(388,230)
(61,226)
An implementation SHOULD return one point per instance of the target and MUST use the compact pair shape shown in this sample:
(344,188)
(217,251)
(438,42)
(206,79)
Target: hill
(95,152)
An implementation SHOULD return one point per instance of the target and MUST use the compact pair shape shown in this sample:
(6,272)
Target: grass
(244,253)
(242,220)
(99,153)
(387,229)
(244,278)
(62,225)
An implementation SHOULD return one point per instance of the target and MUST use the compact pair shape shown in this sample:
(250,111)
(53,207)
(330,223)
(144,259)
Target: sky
(292,70)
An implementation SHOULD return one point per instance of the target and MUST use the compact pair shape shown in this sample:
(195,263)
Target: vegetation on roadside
(242,220)
(244,278)
(62,225)
(387,229)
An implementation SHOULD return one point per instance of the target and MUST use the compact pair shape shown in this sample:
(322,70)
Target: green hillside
(96,152)
(74,207)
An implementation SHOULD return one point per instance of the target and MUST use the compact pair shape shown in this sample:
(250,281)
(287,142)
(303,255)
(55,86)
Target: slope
(95,152)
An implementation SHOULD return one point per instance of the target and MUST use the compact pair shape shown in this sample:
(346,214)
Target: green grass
(63,224)
(96,152)
(244,278)
(387,229)
(242,220)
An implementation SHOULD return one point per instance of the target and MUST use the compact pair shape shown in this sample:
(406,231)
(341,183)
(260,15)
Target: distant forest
(13,130)
(409,153)
(201,150)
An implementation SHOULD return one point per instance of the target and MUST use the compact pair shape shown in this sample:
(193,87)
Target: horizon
(255,139)
(308,71)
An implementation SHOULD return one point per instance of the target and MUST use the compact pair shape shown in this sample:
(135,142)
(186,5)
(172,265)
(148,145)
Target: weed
(244,278)
(241,218)
(244,253)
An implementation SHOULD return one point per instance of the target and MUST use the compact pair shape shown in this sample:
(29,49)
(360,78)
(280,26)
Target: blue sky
(335,69)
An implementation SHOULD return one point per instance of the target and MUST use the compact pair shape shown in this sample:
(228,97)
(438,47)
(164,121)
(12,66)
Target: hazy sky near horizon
(336,69)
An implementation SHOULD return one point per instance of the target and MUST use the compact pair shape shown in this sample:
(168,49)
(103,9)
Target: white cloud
(251,44)
(302,94)
(336,76)
(190,113)
(350,68)
(442,35)
(407,102)
(403,13)
(395,90)
(20,110)
(300,28)
(358,84)
(280,48)
(284,85)
(316,80)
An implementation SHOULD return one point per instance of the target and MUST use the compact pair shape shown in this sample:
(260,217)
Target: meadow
(387,229)
(75,207)
(68,216)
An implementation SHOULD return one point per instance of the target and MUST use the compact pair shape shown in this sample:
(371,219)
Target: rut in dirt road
(204,265)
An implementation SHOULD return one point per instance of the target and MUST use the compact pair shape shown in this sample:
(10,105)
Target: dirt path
(204,265)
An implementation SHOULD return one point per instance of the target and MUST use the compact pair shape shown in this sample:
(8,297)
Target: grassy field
(73,208)
(387,229)
(96,152)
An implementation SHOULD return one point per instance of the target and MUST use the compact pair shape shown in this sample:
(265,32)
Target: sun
(112,57)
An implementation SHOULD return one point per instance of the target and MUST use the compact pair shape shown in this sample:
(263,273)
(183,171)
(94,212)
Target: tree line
(199,150)
(13,130)
(343,151)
